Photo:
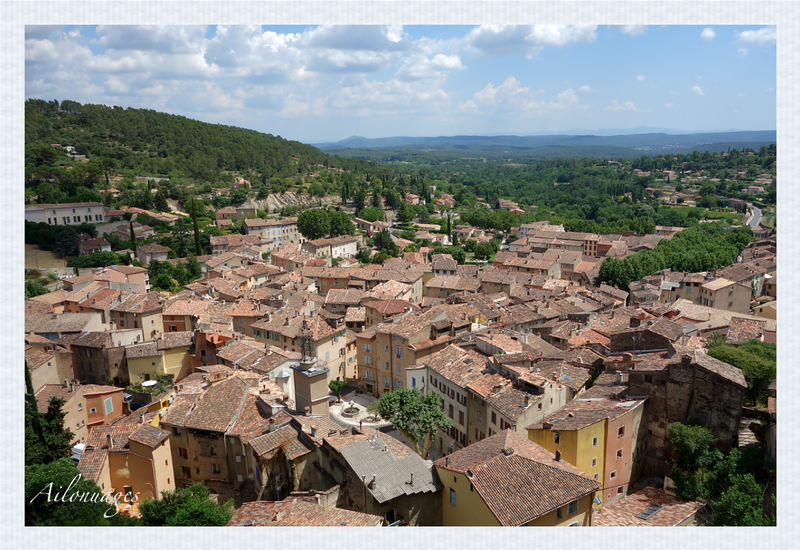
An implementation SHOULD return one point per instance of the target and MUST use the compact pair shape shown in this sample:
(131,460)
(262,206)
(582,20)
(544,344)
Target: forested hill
(155,143)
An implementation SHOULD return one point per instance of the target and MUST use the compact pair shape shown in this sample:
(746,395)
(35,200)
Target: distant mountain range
(645,141)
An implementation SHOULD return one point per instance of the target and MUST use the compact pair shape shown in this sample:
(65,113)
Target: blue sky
(326,83)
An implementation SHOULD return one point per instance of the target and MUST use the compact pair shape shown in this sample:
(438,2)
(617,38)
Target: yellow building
(168,355)
(507,480)
(601,437)
(129,458)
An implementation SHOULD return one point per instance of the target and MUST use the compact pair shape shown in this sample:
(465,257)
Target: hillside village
(559,389)
(297,339)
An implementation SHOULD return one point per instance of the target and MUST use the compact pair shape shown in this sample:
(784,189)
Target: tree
(741,505)
(483,251)
(376,198)
(337,386)
(34,288)
(186,506)
(361,200)
(384,243)
(66,242)
(405,214)
(59,497)
(414,415)
(340,223)
(371,214)
(694,471)
(314,224)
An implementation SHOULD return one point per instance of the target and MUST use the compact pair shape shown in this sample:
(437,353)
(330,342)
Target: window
(194,457)
(575,524)
(594,442)
(461,417)
(109,406)
(368,375)
(398,384)
(494,418)
(573,507)
(597,477)
(212,450)
(202,353)
(80,406)
(387,382)
(452,497)
(176,432)
(613,474)
(619,490)
(648,378)
(366,359)
(214,468)
(398,351)
(557,438)
(183,453)
(559,513)
(366,348)
(619,454)
(384,348)
(450,411)
(92,410)
(594,462)
(621,431)
(479,416)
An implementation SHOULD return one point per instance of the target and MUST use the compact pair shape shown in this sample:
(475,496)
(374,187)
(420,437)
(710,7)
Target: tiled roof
(623,512)
(179,339)
(522,483)
(35,307)
(57,323)
(148,349)
(48,391)
(95,389)
(288,438)
(297,513)
(149,435)
(139,303)
(97,448)
(92,340)
(37,359)
(388,308)
(580,413)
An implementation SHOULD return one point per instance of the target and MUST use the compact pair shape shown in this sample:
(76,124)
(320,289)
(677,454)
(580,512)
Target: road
(756,219)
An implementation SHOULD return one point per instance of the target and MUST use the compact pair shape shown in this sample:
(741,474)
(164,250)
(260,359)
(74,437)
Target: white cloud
(630,30)
(743,52)
(740,95)
(493,40)
(640,77)
(697,90)
(586,89)
(762,37)
(708,34)
(616,106)
(669,105)
(512,97)
(419,67)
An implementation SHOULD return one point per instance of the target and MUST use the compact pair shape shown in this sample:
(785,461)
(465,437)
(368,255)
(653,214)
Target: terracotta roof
(95,389)
(517,479)
(297,513)
(580,413)
(49,391)
(624,512)
(149,435)
(148,349)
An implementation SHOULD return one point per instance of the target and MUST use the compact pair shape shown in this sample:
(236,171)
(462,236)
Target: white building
(71,213)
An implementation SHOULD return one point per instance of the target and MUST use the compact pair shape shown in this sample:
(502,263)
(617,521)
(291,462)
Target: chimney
(308,411)
(313,431)
(621,377)
(66,383)
(109,441)
(686,359)
(447,461)
(508,451)
(527,399)
(271,426)
(372,483)
(635,322)
(558,456)
(70,387)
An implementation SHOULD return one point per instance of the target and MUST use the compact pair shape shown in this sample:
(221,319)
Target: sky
(325,83)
